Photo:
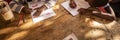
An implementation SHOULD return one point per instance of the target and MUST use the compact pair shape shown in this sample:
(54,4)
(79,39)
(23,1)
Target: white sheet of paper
(80,4)
(51,3)
(34,5)
(74,12)
(71,36)
(44,15)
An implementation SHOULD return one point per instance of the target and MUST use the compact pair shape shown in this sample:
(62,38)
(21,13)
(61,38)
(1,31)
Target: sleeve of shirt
(115,1)
(15,7)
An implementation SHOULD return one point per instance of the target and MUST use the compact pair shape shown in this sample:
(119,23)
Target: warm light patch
(94,33)
(93,23)
(18,35)
(111,24)
(102,38)
(96,24)
(48,23)
(116,37)
(56,7)
(87,19)
(7,30)
(27,25)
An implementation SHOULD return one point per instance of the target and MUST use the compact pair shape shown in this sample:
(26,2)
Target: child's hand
(72,4)
(85,11)
(81,10)
(26,10)
(39,11)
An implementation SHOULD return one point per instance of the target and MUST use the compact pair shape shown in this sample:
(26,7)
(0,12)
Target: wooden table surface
(61,25)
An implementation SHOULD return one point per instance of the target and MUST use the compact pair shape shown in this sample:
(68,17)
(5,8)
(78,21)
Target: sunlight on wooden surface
(47,23)
(94,33)
(116,37)
(7,30)
(111,24)
(101,38)
(56,7)
(95,24)
(18,36)
(27,25)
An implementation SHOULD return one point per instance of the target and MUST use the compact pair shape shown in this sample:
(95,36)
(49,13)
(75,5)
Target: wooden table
(57,27)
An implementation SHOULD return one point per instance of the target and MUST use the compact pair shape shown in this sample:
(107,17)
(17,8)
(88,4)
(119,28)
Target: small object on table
(72,4)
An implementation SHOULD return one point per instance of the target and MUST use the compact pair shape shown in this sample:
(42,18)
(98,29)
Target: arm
(114,1)
(18,7)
